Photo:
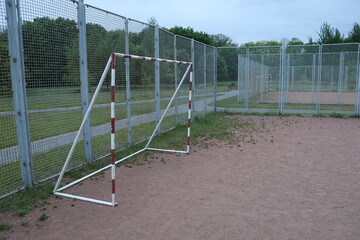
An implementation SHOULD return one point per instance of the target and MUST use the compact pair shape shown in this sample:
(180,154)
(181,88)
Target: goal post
(111,63)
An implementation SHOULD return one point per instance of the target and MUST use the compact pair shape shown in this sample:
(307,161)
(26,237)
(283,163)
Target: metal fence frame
(250,71)
(183,49)
(248,87)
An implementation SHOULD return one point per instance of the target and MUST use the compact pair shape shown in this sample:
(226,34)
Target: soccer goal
(111,64)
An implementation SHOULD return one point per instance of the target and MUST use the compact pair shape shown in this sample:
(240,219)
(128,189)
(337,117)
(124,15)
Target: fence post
(262,78)
(340,80)
(176,82)
(319,80)
(239,74)
(17,68)
(346,77)
(215,78)
(282,76)
(84,79)
(305,79)
(292,78)
(287,83)
(247,78)
(205,69)
(313,76)
(157,78)
(194,77)
(357,103)
(332,78)
(127,83)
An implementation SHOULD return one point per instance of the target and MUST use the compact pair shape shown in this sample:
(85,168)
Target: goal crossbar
(111,64)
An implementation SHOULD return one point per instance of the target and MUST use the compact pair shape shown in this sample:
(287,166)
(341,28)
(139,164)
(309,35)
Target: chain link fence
(105,34)
(9,153)
(290,79)
(66,45)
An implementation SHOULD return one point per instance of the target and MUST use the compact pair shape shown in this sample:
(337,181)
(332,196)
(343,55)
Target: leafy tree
(5,79)
(45,45)
(295,41)
(261,43)
(153,21)
(354,34)
(227,64)
(191,33)
(328,35)
(311,41)
(221,40)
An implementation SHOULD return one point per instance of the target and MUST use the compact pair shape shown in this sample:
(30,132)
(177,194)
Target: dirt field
(279,178)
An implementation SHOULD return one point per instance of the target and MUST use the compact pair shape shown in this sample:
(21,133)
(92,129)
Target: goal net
(166,107)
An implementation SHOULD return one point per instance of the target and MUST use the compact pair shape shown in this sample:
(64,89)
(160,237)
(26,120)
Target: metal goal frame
(112,64)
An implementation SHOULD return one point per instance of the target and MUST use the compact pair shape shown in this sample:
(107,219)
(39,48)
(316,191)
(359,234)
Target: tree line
(326,35)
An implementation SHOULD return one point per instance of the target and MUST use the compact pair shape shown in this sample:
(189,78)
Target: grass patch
(47,124)
(22,202)
(5,226)
(43,217)
(337,115)
(24,224)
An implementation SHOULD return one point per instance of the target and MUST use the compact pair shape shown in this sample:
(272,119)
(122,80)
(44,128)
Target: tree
(354,34)
(221,40)
(328,35)
(45,45)
(261,43)
(191,33)
(5,79)
(153,21)
(311,41)
(295,41)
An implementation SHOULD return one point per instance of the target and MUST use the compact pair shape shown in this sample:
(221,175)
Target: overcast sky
(243,20)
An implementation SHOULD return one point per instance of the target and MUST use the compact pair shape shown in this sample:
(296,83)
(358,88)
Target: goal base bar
(83,178)
(75,197)
(59,193)
(167,150)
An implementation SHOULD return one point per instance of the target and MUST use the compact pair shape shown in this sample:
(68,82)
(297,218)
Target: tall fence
(291,79)
(58,51)
(53,53)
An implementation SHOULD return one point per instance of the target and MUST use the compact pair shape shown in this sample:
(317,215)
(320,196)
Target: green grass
(223,86)
(24,223)
(5,226)
(43,217)
(47,124)
(10,177)
(56,97)
(22,202)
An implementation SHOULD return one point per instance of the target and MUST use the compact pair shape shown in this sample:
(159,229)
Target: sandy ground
(279,178)
(309,98)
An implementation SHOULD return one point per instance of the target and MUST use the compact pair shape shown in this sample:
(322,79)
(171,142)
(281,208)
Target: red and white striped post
(113,157)
(111,64)
(189,110)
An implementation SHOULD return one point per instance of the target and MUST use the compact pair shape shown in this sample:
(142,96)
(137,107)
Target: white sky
(243,20)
